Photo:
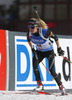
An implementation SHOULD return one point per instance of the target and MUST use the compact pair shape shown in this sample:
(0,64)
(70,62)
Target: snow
(23,95)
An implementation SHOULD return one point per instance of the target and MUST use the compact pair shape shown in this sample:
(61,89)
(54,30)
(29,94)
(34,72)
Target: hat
(33,23)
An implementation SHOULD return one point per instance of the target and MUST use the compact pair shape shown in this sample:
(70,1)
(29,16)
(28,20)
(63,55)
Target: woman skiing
(40,35)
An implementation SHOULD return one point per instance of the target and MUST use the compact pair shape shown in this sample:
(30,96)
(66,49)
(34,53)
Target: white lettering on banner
(0,59)
(24,76)
(23,63)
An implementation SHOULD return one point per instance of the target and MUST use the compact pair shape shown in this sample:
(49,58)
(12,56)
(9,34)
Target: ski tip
(44,93)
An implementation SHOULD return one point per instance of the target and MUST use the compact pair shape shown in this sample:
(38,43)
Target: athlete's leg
(36,70)
(51,59)
(56,76)
(36,63)
(53,72)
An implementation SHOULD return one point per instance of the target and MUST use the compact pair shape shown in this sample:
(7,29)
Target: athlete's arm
(30,44)
(59,50)
(50,34)
(55,38)
(58,44)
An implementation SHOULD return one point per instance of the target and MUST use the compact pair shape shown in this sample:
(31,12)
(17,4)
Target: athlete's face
(32,29)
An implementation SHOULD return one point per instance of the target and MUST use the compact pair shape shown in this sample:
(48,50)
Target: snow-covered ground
(22,95)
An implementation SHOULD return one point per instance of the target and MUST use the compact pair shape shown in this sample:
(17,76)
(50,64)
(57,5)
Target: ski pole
(48,71)
(36,11)
(66,59)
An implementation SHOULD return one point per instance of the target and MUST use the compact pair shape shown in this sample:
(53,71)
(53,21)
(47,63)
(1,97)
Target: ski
(62,95)
(56,94)
(20,92)
(33,93)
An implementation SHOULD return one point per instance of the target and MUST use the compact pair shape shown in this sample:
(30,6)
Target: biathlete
(40,35)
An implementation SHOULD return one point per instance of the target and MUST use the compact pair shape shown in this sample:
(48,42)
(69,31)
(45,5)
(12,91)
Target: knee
(58,76)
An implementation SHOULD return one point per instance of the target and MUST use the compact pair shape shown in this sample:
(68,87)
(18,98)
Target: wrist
(33,50)
(58,48)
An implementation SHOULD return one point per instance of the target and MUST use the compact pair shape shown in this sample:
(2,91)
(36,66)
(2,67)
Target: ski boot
(39,87)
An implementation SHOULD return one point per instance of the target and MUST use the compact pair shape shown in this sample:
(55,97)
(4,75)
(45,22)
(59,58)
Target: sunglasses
(32,27)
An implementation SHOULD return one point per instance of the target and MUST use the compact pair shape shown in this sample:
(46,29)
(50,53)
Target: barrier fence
(17,70)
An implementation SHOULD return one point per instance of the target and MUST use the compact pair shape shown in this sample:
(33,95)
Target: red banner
(2,60)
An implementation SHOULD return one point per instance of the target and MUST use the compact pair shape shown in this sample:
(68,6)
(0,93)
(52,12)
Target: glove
(35,53)
(60,51)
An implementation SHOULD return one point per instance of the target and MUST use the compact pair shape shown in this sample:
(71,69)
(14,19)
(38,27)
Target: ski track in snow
(14,95)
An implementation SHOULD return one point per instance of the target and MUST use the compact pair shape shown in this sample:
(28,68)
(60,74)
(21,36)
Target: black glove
(35,53)
(60,51)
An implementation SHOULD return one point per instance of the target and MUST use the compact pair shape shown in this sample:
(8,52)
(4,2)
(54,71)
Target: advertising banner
(2,60)
(24,76)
